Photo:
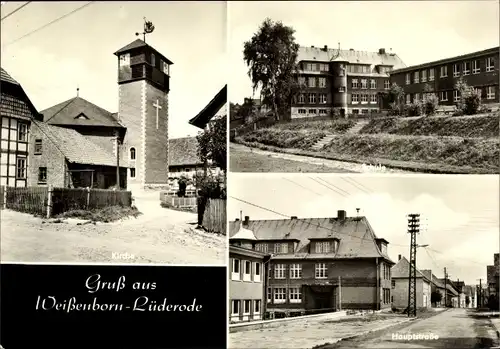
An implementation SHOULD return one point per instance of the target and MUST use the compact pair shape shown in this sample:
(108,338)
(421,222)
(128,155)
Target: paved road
(455,328)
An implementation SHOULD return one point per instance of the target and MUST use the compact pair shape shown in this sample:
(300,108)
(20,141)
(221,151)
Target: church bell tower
(144,84)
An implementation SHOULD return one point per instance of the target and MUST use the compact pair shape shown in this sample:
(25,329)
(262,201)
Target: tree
(467,301)
(430,101)
(395,98)
(271,55)
(470,98)
(436,297)
(212,143)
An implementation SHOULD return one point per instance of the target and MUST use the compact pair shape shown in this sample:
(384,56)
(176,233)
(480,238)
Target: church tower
(144,83)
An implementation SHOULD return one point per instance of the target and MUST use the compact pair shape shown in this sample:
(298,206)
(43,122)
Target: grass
(301,139)
(482,126)
(105,215)
(331,126)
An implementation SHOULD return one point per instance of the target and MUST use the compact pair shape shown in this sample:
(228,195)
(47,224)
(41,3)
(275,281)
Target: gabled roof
(319,54)
(402,270)
(183,152)
(243,234)
(75,147)
(357,239)
(67,112)
(15,102)
(211,109)
(4,76)
(138,43)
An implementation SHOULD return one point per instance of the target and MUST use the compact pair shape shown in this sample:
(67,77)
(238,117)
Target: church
(79,144)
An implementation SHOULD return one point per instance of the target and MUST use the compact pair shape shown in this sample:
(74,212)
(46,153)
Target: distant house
(183,157)
(400,285)
(436,286)
(452,295)
(247,278)
(17,114)
(492,275)
(321,264)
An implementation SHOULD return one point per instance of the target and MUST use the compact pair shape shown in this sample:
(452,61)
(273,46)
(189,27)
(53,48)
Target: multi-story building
(344,81)
(492,276)
(17,114)
(400,286)
(478,69)
(247,277)
(322,264)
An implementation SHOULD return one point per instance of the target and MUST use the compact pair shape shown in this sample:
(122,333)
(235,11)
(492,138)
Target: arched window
(132,153)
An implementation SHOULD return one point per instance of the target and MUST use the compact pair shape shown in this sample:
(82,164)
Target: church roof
(75,147)
(138,43)
(211,109)
(183,152)
(79,112)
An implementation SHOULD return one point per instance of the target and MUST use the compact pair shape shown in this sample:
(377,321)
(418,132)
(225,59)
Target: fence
(214,216)
(53,201)
(2,199)
(180,202)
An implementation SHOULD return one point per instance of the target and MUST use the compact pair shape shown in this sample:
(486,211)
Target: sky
(417,31)
(459,215)
(77,51)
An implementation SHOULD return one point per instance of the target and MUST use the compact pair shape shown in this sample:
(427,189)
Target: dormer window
(125,60)
(281,247)
(165,67)
(322,247)
(81,116)
(153,60)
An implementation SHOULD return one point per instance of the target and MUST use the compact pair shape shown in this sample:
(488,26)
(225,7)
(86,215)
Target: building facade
(144,84)
(400,286)
(493,274)
(322,264)
(478,69)
(17,114)
(341,81)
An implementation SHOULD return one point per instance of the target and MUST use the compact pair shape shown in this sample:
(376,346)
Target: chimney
(293,217)
(247,219)
(381,51)
(312,46)
(237,220)
(399,257)
(351,49)
(325,48)
(341,214)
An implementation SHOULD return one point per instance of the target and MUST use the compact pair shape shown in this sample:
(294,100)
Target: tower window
(125,59)
(132,173)
(132,153)
(153,60)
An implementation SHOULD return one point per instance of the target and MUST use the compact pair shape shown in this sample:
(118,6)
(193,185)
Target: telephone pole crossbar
(413,230)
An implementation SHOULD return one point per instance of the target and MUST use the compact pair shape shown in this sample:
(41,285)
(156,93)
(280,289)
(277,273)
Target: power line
(355,185)
(50,23)
(326,186)
(17,9)
(325,181)
(299,185)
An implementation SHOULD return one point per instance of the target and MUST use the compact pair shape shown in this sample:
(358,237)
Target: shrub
(414,109)
(430,103)
(470,98)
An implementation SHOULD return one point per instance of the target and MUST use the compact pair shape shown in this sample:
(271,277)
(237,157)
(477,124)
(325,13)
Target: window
(324,67)
(478,91)
(364,111)
(269,294)
(364,98)
(341,89)
(456,96)
(323,111)
(312,98)
(256,272)
(235,269)
(295,295)
(132,172)
(408,78)
(490,92)
(164,67)
(444,96)
(387,84)
(373,84)
(322,247)
(311,82)
(235,307)
(263,247)
(256,306)
(247,305)
(415,77)
(38,146)
(281,248)
(302,80)
(42,175)
(301,98)
(21,168)
(476,69)
(311,66)
(408,98)
(355,83)
(312,111)
(302,111)
(490,64)
(153,60)
(279,295)
(279,271)
(355,111)
(364,83)
(444,71)
(466,68)
(322,98)
(132,153)
(322,82)
(431,74)
(22,132)
(393,283)
(355,98)
(247,270)
(125,60)
(373,99)
(417,96)
(456,70)
(295,271)
(320,271)
(424,75)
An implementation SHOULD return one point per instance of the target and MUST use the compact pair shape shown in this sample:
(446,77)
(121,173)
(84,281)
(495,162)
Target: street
(455,328)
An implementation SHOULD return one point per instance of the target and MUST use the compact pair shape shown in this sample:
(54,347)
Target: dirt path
(158,236)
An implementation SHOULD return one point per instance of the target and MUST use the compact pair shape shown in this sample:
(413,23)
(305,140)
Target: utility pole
(480,294)
(340,294)
(413,230)
(445,288)
(117,161)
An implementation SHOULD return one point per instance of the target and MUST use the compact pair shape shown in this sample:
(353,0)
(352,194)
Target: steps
(322,142)
(356,128)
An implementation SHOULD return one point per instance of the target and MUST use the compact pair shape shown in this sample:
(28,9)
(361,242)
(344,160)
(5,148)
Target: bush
(430,104)
(470,98)
(414,109)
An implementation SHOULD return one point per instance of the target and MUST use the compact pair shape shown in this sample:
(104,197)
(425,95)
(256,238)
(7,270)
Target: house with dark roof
(17,113)
(400,286)
(320,264)
(342,82)
(492,275)
(217,106)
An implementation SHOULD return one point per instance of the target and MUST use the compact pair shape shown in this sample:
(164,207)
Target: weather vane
(148,28)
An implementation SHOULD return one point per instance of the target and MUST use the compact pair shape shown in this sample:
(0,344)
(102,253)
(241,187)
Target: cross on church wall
(158,107)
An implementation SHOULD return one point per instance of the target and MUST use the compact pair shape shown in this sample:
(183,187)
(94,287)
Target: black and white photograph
(363,87)
(370,261)
(114,128)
